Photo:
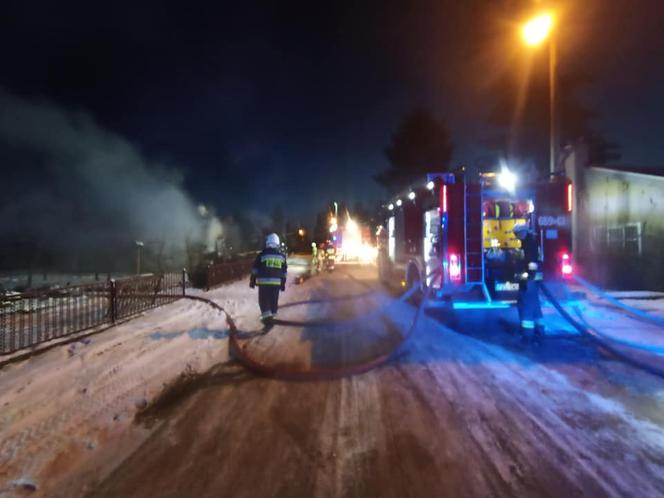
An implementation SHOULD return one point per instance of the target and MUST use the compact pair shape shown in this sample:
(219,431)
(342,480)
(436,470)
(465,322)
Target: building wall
(619,226)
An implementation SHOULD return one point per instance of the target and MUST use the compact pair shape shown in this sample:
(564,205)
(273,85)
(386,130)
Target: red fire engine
(458,235)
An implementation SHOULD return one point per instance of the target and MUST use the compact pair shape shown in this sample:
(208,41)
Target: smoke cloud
(73,189)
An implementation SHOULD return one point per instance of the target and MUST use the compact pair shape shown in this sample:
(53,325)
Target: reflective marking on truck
(550,221)
(506,286)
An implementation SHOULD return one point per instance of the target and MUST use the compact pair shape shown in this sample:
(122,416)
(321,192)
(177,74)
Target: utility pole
(553,122)
(139,245)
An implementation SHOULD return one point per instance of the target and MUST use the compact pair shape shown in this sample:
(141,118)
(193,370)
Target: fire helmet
(272,240)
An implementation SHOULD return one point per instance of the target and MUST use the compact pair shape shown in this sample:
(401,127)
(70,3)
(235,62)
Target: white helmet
(272,240)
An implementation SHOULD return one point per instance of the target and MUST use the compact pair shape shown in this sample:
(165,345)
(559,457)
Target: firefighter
(529,276)
(314,257)
(330,256)
(269,273)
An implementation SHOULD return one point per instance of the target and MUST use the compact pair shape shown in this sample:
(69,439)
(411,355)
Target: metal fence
(31,318)
(225,272)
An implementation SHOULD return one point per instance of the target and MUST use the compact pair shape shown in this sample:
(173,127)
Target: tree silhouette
(420,145)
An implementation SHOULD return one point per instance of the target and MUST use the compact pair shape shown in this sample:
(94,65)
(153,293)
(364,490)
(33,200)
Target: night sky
(292,104)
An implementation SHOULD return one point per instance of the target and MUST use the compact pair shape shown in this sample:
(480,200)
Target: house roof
(638,170)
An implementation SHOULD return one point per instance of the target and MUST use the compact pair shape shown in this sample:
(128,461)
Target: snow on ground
(557,416)
(624,328)
(651,302)
(464,412)
(59,407)
(618,326)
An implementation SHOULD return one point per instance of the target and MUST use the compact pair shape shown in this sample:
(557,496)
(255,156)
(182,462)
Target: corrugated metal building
(618,225)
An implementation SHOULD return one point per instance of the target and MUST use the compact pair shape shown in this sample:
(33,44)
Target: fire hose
(285,373)
(602,340)
(629,309)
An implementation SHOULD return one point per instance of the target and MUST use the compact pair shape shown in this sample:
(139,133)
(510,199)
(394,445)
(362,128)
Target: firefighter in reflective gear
(314,257)
(529,276)
(269,274)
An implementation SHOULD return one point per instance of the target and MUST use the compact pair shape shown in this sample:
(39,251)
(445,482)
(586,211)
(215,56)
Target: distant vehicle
(455,236)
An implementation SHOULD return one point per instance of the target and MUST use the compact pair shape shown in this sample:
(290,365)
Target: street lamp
(300,232)
(139,245)
(535,32)
(537,29)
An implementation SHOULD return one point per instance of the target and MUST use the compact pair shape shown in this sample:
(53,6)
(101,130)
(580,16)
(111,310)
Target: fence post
(4,329)
(112,299)
(184,281)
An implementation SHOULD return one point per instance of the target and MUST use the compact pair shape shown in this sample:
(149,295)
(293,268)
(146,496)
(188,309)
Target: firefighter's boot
(526,330)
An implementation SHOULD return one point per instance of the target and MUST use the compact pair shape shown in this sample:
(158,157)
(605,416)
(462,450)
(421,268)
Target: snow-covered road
(471,412)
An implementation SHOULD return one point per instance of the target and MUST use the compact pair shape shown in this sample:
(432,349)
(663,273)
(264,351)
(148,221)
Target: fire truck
(454,236)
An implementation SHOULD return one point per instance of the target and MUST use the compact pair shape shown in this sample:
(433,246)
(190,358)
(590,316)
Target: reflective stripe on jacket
(269,268)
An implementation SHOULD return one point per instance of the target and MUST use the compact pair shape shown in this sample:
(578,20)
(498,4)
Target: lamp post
(139,246)
(534,32)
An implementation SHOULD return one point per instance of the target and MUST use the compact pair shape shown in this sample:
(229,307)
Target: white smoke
(215,232)
(89,186)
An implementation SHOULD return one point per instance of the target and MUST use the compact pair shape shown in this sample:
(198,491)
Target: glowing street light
(411,196)
(536,30)
(390,206)
(430,185)
(399,202)
(300,232)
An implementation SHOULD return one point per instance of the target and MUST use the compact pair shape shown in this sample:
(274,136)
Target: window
(598,241)
(622,238)
(632,233)
(615,238)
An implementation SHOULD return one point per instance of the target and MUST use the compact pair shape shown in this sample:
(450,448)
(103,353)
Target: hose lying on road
(285,373)
(335,322)
(601,339)
(630,309)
